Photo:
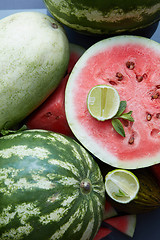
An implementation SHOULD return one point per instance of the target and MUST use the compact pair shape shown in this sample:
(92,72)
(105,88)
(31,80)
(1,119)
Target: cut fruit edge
(109,211)
(88,141)
(123,194)
(102,232)
(125,224)
(103,102)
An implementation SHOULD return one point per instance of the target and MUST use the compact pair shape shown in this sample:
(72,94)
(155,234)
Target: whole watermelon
(105,16)
(50,188)
(34,55)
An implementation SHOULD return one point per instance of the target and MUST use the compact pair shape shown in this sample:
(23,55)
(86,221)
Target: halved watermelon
(137,60)
(51,114)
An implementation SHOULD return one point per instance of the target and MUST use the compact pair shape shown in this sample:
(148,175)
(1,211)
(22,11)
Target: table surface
(147,227)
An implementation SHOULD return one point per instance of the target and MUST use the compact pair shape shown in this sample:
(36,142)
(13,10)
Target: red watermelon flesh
(125,224)
(137,61)
(51,114)
(109,210)
(103,232)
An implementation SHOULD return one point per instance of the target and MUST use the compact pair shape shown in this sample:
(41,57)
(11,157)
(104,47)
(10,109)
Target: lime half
(121,185)
(103,102)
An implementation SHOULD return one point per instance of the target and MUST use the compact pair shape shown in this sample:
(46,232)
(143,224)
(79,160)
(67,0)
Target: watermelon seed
(149,117)
(112,82)
(54,25)
(131,139)
(155,96)
(125,122)
(139,78)
(130,65)
(145,75)
(158,115)
(119,76)
(48,114)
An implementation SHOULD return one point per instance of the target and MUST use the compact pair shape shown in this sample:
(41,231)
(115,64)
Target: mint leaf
(117,125)
(127,116)
(121,109)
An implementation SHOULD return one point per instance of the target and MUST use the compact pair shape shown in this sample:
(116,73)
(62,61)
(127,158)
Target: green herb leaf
(127,116)
(121,109)
(117,125)
(120,194)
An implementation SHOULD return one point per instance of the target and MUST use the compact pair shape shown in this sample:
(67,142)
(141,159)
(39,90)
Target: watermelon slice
(125,224)
(109,211)
(51,114)
(103,232)
(131,64)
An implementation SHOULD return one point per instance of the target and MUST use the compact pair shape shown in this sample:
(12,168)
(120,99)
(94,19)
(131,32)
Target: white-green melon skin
(33,59)
(92,144)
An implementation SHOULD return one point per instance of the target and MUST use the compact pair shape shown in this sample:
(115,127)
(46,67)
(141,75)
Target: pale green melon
(34,54)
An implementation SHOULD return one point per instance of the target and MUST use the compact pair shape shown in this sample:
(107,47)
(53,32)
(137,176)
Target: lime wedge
(103,102)
(121,185)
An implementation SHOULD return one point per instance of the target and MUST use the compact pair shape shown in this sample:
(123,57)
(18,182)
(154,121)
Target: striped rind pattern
(40,196)
(104,17)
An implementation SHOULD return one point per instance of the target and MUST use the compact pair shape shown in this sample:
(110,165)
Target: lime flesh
(121,185)
(103,102)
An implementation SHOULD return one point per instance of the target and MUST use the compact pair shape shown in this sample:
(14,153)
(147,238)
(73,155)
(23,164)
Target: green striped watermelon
(105,17)
(50,188)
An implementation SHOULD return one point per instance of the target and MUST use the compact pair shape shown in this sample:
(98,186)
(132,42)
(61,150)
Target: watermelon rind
(43,188)
(125,223)
(110,211)
(102,233)
(104,17)
(93,144)
(51,114)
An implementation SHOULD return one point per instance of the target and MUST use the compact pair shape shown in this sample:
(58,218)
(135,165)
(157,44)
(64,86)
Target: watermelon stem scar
(85,186)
